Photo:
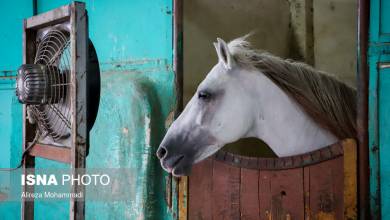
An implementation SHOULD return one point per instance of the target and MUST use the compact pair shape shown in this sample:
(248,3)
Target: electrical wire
(23,154)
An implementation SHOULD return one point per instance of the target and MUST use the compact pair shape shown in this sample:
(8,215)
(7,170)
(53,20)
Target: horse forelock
(330,102)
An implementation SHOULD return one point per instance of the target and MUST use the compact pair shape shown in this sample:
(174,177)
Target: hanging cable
(24,153)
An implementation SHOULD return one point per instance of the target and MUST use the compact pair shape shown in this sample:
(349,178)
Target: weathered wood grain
(249,194)
(200,191)
(281,194)
(324,190)
(226,191)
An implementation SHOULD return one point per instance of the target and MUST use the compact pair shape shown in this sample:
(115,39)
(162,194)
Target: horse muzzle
(175,164)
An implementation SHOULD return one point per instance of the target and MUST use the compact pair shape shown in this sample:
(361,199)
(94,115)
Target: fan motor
(39,84)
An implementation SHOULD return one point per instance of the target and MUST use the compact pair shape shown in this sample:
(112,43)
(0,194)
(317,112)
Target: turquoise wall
(10,110)
(133,41)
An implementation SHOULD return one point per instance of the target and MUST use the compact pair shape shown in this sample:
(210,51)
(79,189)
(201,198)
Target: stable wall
(335,33)
(206,20)
(335,37)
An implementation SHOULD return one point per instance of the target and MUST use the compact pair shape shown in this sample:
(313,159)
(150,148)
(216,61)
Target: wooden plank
(226,191)
(350,179)
(281,194)
(200,191)
(312,192)
(306,191)
(183,198)
(79,52)
(287,186)
(49,18)
(249,194)
(265,194)
(326,190)
(61,154)
(174,199)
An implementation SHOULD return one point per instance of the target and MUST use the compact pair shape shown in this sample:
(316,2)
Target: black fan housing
(36,84)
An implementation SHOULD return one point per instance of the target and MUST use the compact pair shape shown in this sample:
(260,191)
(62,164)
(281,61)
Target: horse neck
(282,123)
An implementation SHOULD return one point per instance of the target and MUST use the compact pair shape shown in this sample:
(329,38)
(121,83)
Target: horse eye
(203,95)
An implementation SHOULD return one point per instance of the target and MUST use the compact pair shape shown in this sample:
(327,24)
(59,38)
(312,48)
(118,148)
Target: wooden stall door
(326,190)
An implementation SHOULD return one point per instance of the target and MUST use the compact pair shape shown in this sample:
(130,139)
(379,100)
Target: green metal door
(379,108)
(134,44)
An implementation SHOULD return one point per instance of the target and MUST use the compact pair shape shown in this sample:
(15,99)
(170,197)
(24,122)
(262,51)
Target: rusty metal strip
(60,154)
(282,163)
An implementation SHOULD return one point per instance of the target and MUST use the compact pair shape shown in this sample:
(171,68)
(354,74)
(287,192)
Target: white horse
(289,105)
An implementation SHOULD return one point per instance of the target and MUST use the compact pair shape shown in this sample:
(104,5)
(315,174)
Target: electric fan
(59,86)
(45,86)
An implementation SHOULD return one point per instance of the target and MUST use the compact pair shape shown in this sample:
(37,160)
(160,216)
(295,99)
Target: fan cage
(53,51)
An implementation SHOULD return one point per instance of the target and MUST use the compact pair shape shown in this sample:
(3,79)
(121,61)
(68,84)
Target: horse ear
(223,53)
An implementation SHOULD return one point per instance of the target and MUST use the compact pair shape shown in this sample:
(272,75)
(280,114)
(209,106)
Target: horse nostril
(161,152)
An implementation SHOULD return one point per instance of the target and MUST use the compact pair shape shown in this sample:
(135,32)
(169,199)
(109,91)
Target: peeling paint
(125,131)
(147,130)
(137,66)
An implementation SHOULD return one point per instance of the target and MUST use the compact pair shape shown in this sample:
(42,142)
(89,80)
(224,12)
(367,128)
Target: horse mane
(330,102)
